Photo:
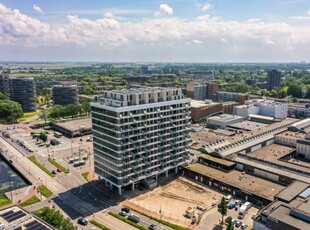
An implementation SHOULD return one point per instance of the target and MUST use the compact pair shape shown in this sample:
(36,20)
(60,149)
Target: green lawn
(45,191)
(85,175)
(30,201)
(57,165)
(171,225)
(33,159)
(4,200)
(97,224)
(134,224)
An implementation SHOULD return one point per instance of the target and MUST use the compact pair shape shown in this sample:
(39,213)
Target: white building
(245,110)
(303,148)
(139,134)
(224,120)
(273,109)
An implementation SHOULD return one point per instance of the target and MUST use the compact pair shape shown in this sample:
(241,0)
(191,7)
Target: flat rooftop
(15,217)
(74,125)
(142,90)
(217,160)
(249,183)
(225,117)
(248,125)
(292,135)
(199,104)
(292,191)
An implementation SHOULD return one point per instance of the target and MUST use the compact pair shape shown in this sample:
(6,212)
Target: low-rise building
(223,120)
(289,211)
(203,109)
(303,148)
(246,110)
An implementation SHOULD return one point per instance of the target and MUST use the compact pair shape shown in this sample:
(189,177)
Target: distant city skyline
(155,31)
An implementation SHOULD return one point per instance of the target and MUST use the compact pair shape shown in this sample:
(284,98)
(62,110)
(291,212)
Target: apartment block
(139,134)
(64,95)
(201,91)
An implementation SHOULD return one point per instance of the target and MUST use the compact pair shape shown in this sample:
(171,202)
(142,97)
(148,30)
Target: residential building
(289,211)
(23,91)
(274,109)
(139,134)
(273,79)
(202,109)
(201,91)
(223,120)
(64,95)
(246,110)
(303,148)
(230,96)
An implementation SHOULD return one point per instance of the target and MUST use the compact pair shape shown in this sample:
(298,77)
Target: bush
(4,200)
(33,159)
(45,191)
(32,200)
(173,226)
(134,224)
(97,224)
(57,165)
(85,175)
(55,218)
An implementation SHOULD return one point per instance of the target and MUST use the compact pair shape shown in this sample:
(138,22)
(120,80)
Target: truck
(134,217)
(244,209)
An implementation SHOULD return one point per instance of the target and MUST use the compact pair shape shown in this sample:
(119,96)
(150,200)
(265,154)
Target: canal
(10,179)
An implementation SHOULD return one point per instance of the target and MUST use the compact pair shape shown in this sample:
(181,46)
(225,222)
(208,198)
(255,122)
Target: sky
(155,30)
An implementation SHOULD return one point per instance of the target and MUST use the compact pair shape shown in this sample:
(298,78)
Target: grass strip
(57,165)
(32,200)
(171,225)
(37,163)
(4,200)
(134,224)
(85,175)
(97,224)
(45,191)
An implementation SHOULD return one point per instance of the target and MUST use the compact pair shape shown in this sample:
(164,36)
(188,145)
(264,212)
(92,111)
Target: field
(172,199)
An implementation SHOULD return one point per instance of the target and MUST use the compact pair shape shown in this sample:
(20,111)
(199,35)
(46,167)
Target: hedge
(33,159)
(97,224)
(134,224)
(57,165)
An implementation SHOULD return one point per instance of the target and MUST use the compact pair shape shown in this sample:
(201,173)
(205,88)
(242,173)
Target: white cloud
(195,41)
(254,20)
(205,6)
(164,10)
(37,9)
(109,36)
(304,17)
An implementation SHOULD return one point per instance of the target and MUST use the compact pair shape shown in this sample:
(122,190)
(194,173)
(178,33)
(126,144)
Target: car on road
(244,226)
(82,221)
(122,213)
(125,209)
(59,170)
(201,208)
(54,172)
(152,227)
(228,198)
(238,224)
(231,206)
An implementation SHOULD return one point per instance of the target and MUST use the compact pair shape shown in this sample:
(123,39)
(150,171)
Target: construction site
(176,201)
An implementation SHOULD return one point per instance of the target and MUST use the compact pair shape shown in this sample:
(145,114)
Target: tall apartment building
(64,95)
(273,79)
(139,134)
(201,91)
(23,91)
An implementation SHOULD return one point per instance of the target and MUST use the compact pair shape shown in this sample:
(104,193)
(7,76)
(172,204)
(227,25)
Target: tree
(282,93)
(222,208)
(294,90)
(230,225)
(10,111)
(55,218)
(274,93)
(43,136)
(88,91)
(86,106)
(72,110)
(3,96)
(57,111)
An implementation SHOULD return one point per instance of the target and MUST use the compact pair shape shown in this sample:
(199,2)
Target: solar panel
(32,224)
(16,216)
(7,213)
(42,228)
(10,215)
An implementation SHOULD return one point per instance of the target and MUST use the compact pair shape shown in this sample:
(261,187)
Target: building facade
(273,79)
(23,91)
(224,120)
(139,134)
(64,95)
(201,91)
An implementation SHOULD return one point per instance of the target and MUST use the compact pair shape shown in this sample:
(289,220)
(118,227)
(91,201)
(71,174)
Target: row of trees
(72,110)
(10,111)
(222,208)
(55,218)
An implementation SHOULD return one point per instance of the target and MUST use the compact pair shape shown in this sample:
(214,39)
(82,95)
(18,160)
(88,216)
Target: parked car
(59,170)
(122,213)
(125,209)
(54,172)
(244,226)
(228,198)
(237,202)
(152,227)
(231,206)
(201,208)
(238,224)
(82,221)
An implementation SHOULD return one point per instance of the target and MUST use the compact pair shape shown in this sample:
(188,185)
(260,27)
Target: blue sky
(135,30)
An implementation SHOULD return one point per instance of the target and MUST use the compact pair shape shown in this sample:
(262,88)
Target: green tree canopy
(294,90)
(3,97)
(222,208)
(55,218)
(230,224)
(10,111)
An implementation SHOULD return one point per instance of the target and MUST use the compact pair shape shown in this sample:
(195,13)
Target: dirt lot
(175,197)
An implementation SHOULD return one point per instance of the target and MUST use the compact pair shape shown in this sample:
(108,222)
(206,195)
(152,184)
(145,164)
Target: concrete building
(64,95)
(201,91)
(290,210)
(246,110)
(274,109)
(303,148)
(23,91)
(273,79)
(223,120)
(229,96)
(202,109)
(73,128)
(139,134)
